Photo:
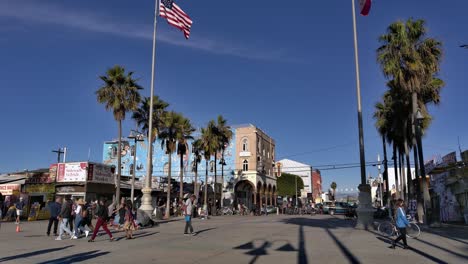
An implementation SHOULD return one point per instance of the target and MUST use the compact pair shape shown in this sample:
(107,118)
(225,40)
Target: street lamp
(136,136)
(426,204)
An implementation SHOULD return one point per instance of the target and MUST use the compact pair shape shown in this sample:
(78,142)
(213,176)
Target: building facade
(248,168)
(312,178)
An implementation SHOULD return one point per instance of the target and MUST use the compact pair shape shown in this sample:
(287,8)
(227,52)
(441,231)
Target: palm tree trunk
(205,202)
(215,201)
(404,176)
(385,174)
(119,164)
(181,175)
(168,202)
(402,179)
(425,199)
(395,165)
(409,176)
(222,178)
(417,187)
(195,185)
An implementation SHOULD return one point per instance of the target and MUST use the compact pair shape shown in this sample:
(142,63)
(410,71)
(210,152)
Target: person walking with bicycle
(401,223)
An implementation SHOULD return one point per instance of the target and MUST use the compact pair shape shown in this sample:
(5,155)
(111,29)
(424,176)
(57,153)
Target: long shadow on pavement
(330,223)
(76,257)
(205,230)
(34,253)
(424,254)
(443,249)
(451,237)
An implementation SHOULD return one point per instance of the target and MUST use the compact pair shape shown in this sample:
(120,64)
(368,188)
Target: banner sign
(40,188)
(39,178)
(100,173)
(9,189)
(72,172)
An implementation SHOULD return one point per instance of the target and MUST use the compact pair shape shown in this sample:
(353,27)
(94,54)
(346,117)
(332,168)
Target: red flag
(365,6)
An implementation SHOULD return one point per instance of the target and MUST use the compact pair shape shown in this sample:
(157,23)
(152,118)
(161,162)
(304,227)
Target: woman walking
(401,223)
(129,224)
(102,215)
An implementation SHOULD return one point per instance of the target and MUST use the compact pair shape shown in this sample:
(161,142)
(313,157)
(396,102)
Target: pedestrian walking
(19,209)
(103,215)
(54,208)
(79,227)
(401,223)
(64,219)
(188,211)
(129,224)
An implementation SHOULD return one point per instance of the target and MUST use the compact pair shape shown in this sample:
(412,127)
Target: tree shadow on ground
(79,257)
(452,234)
(327,224)
(34,253)
(443,249)
(260,247)
(389,241)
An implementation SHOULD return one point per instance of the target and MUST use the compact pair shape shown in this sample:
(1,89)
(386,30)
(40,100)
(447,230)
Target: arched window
(245,144)
(212,164)
(245,165)
(132,167)
(166,168)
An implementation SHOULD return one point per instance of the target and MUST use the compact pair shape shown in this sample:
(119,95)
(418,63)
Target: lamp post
(425,190)
(136,136)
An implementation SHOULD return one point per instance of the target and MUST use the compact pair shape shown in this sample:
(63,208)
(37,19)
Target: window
(131,168)
(212,164)
(245,165)
(166,168)
(245,144)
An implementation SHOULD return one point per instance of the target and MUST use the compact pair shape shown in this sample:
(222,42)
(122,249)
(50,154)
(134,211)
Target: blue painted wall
(160,160)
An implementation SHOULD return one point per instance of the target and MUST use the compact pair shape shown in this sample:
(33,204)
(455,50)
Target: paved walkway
(236,239)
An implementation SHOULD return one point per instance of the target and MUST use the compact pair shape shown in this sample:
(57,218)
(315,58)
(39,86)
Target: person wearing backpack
(188,211)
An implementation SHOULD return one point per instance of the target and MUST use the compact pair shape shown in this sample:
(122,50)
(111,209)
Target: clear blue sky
(288,68)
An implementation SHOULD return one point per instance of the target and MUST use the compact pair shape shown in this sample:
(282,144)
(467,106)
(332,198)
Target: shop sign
(38,178)
(100,173)
(72,172)
(40,188)
(70,189)
(53,172)
(9,189)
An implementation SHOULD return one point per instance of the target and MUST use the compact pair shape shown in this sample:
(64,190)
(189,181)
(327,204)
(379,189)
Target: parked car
(271,209)
(336,208)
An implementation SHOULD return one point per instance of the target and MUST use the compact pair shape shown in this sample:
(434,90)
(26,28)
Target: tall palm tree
(224,134)
(168,135)
(119,93)
(333,186)
(196,153)
(183,136)
(208,144)
(141,117)
(412,61)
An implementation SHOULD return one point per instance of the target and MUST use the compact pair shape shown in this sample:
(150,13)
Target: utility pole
(59,153)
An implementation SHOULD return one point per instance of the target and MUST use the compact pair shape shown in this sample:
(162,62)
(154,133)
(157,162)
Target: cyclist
(401,223)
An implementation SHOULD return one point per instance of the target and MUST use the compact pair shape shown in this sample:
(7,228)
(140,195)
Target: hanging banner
(72,172)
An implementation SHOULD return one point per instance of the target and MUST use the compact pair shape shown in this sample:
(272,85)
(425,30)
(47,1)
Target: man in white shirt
(188,215)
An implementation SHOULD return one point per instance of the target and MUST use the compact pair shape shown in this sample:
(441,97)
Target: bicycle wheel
(413,231)
(386,229)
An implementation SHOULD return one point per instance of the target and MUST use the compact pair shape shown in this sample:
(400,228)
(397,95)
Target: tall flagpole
(365,208)
(146,204)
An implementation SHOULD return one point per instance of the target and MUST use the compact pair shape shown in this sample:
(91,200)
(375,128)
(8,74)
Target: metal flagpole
(365,199)
(146,203)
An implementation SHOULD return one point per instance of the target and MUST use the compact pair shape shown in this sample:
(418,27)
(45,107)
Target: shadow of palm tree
(34,253)
(79,257)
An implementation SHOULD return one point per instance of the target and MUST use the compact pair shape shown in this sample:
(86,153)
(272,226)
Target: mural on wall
(160,161)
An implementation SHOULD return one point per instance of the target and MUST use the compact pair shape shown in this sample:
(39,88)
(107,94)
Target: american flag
(175,16)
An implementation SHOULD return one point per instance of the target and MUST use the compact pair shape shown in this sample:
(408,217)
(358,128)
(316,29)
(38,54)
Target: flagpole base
(146,201)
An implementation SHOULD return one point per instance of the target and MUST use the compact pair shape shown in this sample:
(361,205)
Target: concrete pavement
(235,239)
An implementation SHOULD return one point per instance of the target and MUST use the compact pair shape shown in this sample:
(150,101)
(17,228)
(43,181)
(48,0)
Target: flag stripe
(177,18)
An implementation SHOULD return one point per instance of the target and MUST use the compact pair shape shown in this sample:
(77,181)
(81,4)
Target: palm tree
(119,93)
(196,153)
(224,134)
(183,136)
(412,61)
(141,117)
(208,144)
(169,134)
(333,187)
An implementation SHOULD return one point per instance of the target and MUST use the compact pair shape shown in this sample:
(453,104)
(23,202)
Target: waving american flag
(175,16)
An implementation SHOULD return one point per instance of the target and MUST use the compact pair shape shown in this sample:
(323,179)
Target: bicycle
(388,228)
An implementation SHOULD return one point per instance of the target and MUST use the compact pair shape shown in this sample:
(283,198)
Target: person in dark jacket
(54,210)
(64,217)
(102,215)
